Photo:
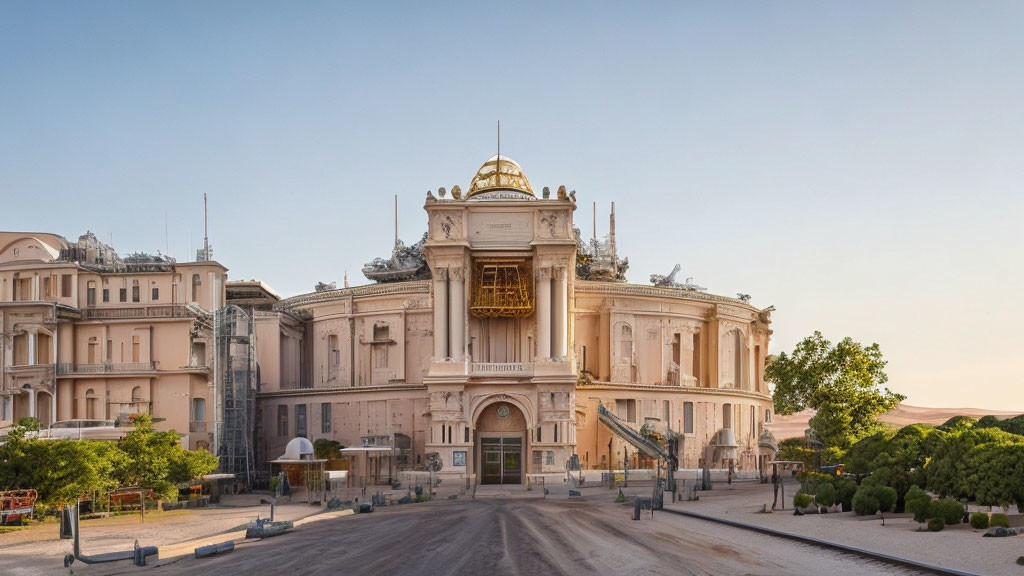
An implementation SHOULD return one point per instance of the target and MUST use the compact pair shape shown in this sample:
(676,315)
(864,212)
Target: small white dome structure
(298,449)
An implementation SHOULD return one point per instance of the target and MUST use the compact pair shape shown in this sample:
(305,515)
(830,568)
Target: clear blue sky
(858,166)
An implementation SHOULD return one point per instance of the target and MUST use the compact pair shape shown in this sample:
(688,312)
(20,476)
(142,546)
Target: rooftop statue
(324,287)
(670,281)
(406,263)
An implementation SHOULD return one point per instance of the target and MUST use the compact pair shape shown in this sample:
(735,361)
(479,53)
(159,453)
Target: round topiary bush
(949,510)
(999,520)
(919,503)
(801,500)
(864,502)
(935,525)
(825,496)
(979,520)
(845,488)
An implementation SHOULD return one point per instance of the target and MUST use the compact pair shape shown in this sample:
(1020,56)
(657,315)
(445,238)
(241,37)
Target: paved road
(526,537)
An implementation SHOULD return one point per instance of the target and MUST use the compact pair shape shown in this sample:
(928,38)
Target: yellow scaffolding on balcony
(502,289)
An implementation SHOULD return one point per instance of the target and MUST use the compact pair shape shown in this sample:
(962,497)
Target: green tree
(948,470)
(995,471)
(326,449)
(844,384)
(156,460)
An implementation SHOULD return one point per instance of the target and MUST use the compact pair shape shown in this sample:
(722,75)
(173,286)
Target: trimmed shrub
(949,510)
(845,489)
(999,519)
(826,495)
(864,502)
(979,520)
(935,525)
(919,503)
(801,500)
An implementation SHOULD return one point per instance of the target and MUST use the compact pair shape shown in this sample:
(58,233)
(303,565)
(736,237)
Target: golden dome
(499,174)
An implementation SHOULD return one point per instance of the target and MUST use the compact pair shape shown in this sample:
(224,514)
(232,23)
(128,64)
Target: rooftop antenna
(497,174)
(206,237)
(611,240)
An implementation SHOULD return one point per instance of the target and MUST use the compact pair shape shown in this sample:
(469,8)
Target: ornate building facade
(88,335)
(493,340)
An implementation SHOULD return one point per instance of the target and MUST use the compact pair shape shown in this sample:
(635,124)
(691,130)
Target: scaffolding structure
(235,393)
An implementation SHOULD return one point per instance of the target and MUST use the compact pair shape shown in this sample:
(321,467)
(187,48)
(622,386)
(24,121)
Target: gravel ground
(516,536)
(959,547)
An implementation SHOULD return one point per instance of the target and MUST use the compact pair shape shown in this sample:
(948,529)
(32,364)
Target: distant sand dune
(794,425)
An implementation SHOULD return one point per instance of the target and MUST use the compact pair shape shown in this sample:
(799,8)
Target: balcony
(501,369)
(168,311)
(67,369)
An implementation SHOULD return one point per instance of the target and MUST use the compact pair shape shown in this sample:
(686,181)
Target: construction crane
(652,449)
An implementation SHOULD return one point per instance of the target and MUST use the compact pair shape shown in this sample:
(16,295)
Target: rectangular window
(325,417)
(65,285)
(136,349)
(156,294)
(198,409)
(90,295)
(46,288)
(667,410)
(538,459)
(300,420)
(695,371)
(124,295)
(282,420)
(135,293)
(540,436)
(727,416)
(110,351)
(549,458)
(688,417)
(106,294)
(631,411)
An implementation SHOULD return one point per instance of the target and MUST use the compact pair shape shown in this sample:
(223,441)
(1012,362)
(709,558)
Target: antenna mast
(497,170)
(206,232)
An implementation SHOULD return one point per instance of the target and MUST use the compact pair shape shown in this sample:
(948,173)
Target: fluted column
(561,320)
(440,313)
(543,314)
(457,323)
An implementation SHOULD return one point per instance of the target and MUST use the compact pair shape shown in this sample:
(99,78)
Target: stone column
(558,344)
(31,403)
(32,348)
(458,314)
(543,314)
(440,313)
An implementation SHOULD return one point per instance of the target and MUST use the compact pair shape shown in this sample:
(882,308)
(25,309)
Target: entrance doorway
(502,460)
(500,438)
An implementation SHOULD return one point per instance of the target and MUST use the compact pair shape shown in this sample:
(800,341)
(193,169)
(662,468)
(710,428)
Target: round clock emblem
(503,411)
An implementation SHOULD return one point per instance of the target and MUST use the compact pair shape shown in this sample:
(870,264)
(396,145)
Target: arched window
(137,394)
(90,404)
(626,344)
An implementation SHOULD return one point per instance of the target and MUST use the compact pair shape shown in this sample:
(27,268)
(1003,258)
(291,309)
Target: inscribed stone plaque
(499,228)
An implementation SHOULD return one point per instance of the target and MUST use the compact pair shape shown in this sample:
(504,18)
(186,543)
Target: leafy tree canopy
(844,383)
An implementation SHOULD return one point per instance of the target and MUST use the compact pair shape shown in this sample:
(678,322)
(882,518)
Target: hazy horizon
(858,167)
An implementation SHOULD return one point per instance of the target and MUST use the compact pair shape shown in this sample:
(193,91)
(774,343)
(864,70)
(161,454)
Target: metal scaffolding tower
(235,397)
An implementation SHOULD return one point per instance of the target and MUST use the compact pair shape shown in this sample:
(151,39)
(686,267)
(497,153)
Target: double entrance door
(502,460)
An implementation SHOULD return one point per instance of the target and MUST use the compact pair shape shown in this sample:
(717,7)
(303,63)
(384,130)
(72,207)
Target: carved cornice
(677,389)
(593,287)
(413,287)
(339,390)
